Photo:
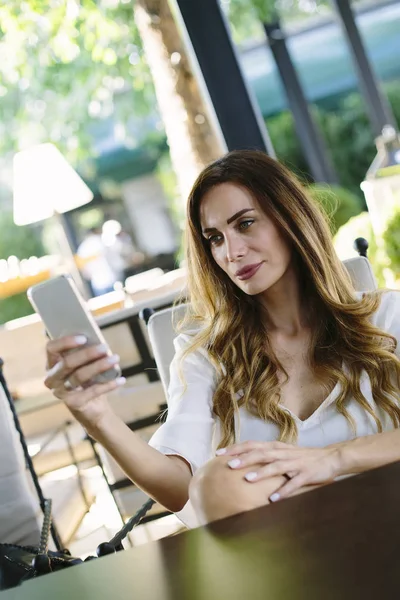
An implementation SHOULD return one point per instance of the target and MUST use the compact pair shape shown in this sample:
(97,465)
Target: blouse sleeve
(387,317)
(189,428)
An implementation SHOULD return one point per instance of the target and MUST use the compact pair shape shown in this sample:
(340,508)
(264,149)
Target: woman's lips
(248,272)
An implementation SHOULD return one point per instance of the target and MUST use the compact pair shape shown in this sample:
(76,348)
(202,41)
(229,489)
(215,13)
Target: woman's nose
(235,248)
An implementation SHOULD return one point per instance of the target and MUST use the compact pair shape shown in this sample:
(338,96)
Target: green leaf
(58,57)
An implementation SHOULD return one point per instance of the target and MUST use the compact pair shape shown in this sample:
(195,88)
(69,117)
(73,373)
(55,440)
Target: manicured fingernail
(251,476)
(102,348)
(221,451)
(274,497)
(234,463)
(120,381)
(80,339)
(113,360)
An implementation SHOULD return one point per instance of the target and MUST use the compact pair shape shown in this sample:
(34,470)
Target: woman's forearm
(369,452)
(164,478)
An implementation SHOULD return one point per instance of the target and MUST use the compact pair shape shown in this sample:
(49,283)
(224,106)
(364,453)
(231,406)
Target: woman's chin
(254,288)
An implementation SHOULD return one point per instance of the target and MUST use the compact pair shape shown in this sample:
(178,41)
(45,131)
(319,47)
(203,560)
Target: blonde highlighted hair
(230,322)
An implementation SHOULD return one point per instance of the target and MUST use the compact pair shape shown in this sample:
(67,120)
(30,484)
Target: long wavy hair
(230,323)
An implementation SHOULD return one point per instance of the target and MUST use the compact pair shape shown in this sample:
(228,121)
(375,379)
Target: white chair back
(161,325)
(161,330)
(361,273)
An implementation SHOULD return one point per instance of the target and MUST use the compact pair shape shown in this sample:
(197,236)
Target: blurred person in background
(120,249)
(96,267)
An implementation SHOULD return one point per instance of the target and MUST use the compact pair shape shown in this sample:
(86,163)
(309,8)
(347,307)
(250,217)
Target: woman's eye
(243,225)
(214,239)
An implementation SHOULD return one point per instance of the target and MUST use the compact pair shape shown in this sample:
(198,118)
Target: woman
(287,378)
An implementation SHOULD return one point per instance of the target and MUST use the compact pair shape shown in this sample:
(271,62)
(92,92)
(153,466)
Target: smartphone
(63,311)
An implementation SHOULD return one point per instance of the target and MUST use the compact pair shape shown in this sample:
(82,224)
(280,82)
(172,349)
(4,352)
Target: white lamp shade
(45,184)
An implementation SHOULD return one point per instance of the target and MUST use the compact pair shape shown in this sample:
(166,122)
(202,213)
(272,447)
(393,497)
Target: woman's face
(244,242)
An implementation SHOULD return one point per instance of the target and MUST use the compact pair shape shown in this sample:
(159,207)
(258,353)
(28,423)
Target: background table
(341,541)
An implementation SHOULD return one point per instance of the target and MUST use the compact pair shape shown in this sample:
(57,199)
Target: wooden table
(338,542)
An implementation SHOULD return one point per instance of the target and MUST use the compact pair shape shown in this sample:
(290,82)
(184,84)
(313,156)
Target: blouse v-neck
(332,396)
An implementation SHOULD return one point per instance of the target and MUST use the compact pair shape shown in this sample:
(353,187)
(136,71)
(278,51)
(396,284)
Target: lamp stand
(68,255)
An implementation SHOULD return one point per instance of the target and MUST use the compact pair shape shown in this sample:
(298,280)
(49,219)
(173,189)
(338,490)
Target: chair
(361,273)
(20,507)
(161,330)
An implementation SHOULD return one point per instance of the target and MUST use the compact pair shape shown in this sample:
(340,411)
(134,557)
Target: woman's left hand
(304,466)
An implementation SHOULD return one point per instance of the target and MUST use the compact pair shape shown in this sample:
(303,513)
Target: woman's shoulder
(198,355)
(390,297)
(185,339)
(387,315)
(191,365)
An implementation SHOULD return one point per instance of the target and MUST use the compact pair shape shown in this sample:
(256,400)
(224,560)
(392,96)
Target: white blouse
(191,430)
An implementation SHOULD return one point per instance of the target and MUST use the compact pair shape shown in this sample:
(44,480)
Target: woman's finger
(279,467)
(82,378)
(291,474)
(56,348)
(239,448)
(261,455)
(86,374)
(68,342)
(245,460)
(55,376)
(71,362)
(78,397)
(290,487)
(245,447)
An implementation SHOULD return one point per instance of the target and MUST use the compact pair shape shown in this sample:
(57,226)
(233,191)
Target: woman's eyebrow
(238,214)
(231,219)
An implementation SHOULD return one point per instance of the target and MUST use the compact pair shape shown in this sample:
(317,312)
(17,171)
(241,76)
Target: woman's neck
(284,308)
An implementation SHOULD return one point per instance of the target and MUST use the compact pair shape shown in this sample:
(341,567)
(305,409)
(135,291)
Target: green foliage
(338,203)
(263,10)
(244,21)
(246,16)
(22,242)
(91,218)
(347,134)
(392,241)
(14,307)
(68,64)
(286,144)
(350,141)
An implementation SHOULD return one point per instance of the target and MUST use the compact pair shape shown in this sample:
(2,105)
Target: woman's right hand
(86,401)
